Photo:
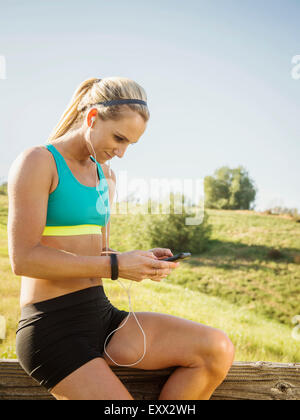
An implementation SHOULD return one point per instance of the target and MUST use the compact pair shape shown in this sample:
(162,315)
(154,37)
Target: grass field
(234,285)
(237,266)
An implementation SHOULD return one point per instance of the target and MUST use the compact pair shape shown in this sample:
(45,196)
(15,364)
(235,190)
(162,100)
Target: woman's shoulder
(35,152)
(35,159)
(31,155)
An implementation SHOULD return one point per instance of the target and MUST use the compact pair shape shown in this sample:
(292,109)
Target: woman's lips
(110,157)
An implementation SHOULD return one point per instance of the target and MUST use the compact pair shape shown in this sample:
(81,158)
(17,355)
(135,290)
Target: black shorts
(57,336)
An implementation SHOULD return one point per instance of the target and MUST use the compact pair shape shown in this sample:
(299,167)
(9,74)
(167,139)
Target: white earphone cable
(127,290)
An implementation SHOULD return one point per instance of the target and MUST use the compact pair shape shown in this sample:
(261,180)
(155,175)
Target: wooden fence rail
(245,381)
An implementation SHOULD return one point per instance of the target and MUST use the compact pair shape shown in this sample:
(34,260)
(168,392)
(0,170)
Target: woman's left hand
(161,252)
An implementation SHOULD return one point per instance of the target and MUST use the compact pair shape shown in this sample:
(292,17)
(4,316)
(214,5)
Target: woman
(56,230)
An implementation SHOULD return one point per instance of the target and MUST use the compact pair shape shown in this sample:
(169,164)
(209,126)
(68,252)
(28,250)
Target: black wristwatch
(114,266)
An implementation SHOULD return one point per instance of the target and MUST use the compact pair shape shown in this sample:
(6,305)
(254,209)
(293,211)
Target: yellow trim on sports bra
(72,230)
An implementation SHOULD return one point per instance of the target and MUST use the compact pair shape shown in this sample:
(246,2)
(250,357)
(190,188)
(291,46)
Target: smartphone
(176,257)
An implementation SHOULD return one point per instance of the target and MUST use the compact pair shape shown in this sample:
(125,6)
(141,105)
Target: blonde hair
(93,90)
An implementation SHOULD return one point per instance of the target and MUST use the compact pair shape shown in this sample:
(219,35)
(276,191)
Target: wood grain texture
(245,381)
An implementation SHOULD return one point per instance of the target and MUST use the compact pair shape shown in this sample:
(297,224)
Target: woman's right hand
(140,265)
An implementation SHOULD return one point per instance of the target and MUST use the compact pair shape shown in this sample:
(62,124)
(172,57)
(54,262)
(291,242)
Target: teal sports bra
(74,208)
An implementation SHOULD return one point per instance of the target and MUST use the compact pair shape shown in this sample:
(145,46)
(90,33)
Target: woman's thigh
(170,341)
(92,381)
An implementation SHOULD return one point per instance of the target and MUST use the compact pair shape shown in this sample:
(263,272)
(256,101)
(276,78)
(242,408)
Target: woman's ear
(91,117)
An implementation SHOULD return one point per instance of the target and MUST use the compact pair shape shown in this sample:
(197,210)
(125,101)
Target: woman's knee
(221,355)
(218,354)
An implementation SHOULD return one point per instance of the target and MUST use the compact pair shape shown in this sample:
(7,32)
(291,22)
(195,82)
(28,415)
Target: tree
(229,189)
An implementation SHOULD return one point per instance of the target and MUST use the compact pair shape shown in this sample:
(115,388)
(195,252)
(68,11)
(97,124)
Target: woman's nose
(120,151)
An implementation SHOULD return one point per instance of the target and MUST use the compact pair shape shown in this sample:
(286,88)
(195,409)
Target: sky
(221,85)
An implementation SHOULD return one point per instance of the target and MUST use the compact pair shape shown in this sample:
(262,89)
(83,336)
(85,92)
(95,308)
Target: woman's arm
(44,262)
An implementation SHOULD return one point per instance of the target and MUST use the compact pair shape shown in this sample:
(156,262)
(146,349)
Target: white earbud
(92,121)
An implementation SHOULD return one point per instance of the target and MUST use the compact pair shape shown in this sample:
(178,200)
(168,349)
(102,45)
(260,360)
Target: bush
(146,231)
(171,231)
(274,254)
(283,210)
(279,211)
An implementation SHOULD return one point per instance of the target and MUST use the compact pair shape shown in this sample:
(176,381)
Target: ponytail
(71,114)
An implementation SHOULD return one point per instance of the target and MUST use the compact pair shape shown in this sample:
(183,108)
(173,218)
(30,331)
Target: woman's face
(111,138)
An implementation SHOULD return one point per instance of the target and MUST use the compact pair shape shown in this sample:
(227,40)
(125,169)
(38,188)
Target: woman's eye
(118,138)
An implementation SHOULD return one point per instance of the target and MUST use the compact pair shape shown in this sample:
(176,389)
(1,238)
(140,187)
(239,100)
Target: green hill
(235,285)
(241,267)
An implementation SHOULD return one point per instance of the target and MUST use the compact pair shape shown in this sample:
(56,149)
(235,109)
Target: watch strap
(114,266)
